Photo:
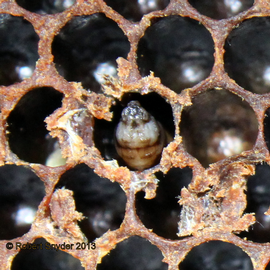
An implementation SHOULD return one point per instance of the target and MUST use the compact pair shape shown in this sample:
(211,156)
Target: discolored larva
(139,138)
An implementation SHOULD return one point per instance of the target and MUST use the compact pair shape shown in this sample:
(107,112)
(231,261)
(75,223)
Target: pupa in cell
(139,138)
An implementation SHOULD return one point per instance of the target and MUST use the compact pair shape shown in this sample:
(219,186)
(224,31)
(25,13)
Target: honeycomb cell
(258,202)
(162,213)
(135,253)
(18,49)
(45,6)
(21,192)
(86,49)
(247,56)
(101,201)
(104,132)
(178,50)
(27,134)
(216,255)
(218,125)
(221,9)
(134,9)
(45,257)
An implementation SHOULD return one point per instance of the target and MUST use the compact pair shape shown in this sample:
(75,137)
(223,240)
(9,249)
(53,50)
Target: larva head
(134,114)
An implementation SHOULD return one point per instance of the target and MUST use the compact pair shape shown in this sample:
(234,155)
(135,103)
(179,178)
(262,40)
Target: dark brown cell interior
(135,253)
(247,56)
(216,255)
(87,47)
(267,266)
(221,9)
(267,128)
(218,125)
(45,6)
(21,192)
(101,201)
(46,258)
(134,9)
(258,202)
(162,213)
(104,130)
(27,134)
(18,49)
(178,50)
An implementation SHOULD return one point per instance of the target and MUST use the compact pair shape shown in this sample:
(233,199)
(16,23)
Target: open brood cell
(162,69)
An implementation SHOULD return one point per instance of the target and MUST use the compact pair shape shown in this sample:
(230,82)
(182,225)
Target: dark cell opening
(101,201)
(218,125)
(28,137)
(247,56)
(18,49)
(104,132)
(45,6)
(178,50)
(135,253)
(268,266)
(45,258)
(216,255)
(134,9)
(21,192)
(267,128)
(258,202)
(86,49)
(221,9)
(162,213)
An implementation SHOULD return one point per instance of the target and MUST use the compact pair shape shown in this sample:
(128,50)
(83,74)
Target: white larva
(139,138)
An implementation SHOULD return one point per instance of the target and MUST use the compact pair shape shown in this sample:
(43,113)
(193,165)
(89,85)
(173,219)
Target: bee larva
(139,138)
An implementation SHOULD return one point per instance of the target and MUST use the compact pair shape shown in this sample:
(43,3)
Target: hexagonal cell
(134,9)
(221,9)
(216,255)
(178,50)
(18,49)
(21,192)
(135,253)
(258,202)
(247,56)
(45,6)
(218,125)
(127,145)
(86,49)
(44,257)
(27,134)
(161,214)
(101,201)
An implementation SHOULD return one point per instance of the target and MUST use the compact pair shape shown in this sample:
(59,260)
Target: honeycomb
(69,72)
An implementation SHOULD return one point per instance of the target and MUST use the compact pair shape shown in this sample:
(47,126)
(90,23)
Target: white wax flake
(102,69)
(266,76)
(192,74)
(68,3)
(24,72)
(24,216)
(113,163)
(55,159)
(230,145)
(267,218)
(147,5)
(235,6)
